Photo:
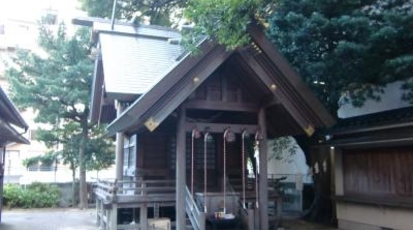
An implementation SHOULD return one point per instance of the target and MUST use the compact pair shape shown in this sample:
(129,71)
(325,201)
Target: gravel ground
(48,219)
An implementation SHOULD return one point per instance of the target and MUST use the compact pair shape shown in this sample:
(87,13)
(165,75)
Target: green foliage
(46,159)
(226,21)
(159,12)
(346,47)
(281,144)
(35,195)
(56,83)
(100,151)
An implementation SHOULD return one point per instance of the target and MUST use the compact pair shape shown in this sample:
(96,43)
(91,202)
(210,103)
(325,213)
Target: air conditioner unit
(159,224)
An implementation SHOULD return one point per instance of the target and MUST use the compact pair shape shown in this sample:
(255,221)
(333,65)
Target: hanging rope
(192,163)
(244,134)
(257,141)
(226,132)
(256,177)
(205,171)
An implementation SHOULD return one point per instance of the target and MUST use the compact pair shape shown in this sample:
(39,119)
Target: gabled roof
(9,116)
(132,63)
(130,59)
(296,101)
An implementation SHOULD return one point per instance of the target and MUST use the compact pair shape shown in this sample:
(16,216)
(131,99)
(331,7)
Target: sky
(31,10)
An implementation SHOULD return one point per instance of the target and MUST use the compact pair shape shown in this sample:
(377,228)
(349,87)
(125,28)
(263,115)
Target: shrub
(35,195)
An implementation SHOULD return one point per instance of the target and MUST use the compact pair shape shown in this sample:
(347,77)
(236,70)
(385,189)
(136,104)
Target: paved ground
(48,219)
(75,219)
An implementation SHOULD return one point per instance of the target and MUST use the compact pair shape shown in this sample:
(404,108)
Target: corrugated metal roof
(132,64)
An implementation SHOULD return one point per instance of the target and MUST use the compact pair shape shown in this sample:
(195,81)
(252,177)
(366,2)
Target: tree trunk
(321,209)
(82,170)
(73,184)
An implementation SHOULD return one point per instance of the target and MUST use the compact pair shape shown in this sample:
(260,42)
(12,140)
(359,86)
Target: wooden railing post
(113,217)
(202,220)
(143,210)
(250,219)
(98,212)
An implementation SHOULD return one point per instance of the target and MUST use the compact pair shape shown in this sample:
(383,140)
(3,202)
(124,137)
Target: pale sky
(31,10)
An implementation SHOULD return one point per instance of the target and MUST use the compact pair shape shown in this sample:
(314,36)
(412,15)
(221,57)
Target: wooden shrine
(183,145)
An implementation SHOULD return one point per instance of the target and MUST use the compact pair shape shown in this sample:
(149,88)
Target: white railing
(196,217)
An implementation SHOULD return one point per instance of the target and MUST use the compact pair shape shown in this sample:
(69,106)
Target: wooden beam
(223,106)
(219,127)
(263,171)
(188,84)
(280,93)
(180,170)
(268,102)
(283,67)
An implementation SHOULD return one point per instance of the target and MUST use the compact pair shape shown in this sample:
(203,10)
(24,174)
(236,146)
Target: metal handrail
(196,217)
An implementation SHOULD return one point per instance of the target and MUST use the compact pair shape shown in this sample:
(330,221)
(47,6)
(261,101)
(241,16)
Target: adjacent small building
(12,128)
(372,151)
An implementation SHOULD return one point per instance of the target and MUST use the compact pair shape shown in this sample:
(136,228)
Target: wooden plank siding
(382,172)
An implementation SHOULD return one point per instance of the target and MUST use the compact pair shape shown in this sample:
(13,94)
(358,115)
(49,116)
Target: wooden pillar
(97,211)
(113,217)
(143,222)
(338,172)
(180,170)
(263,176)
(119,144)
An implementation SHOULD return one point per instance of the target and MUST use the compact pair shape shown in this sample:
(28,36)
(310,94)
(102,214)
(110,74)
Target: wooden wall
(378,172)
(151,155)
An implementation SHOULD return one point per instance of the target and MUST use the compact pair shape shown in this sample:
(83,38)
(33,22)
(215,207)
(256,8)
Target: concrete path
(48,219)
(75,219)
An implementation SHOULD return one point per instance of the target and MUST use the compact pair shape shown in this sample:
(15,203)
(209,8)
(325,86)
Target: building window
(129,150)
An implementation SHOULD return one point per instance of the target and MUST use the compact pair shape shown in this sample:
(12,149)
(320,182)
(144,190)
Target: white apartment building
(19,30)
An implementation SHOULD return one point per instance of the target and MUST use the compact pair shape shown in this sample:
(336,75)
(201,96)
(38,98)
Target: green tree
(98,155)
(346,47)
(338,47)
(159,12)
(56,84)
(227,21)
